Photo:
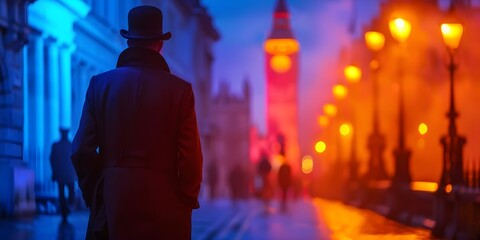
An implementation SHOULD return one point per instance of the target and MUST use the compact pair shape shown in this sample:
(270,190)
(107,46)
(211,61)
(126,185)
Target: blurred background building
(230,134)
(49,50)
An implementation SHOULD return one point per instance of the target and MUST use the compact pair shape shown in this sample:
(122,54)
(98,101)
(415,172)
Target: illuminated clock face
(281,63)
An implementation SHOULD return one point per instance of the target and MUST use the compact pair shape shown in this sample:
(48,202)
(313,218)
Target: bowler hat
(145,22)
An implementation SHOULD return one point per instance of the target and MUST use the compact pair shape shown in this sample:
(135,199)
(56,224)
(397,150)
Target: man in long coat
(137,152)
(63,172)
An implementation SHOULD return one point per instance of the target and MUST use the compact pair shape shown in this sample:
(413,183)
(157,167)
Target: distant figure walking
(284,182)
(263,169)
(63,172)
(137,151)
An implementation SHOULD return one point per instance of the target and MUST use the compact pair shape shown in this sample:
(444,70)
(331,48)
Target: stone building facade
(43,85)
(16,180)
(230,138)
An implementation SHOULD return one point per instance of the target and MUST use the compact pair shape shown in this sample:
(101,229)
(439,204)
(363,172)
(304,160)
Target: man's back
(62,168)
(143,121)
(137,151)
(139,114)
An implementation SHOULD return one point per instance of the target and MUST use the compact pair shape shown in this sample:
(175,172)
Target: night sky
(321,27)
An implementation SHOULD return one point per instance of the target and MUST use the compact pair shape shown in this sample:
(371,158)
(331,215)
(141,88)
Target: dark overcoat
(138,141)
(62,168)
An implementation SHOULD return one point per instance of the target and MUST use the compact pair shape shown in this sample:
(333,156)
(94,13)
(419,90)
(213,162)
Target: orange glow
(330,110)
(323,121)
(448,188)
(452,34)
(339,91)
(374,40)
(345,129)
(281,63)
(422,128)
(380,184)
(320,146)
(424,186)
(345,222)
(421,143)
(352,73)
(374,64)
(278,160)
(400,29)
(307,164)
(281,46)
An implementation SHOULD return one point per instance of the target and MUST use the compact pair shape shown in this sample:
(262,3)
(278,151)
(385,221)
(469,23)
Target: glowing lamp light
(320,147)
(352,73)
(374,40)
(422,128)
(339,91)
(424,186)
(452,34)
(323,121)
(448,188)
(281,63)
(307,164)
(330,110)
(400,29)
(282,46)
(345,129)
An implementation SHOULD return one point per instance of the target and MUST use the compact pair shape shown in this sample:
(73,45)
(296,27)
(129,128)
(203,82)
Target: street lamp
(452,172)
(376,141)
(353,74)
(452,169)
(400,30)
(330,110)
(339,91)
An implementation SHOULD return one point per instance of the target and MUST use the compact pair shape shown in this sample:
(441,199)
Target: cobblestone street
(222,219)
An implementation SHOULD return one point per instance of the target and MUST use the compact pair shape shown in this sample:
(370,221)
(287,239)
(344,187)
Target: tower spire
(281,7)
(281,21)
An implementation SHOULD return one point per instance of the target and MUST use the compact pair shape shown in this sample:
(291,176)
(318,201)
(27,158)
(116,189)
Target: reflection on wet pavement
(346,222)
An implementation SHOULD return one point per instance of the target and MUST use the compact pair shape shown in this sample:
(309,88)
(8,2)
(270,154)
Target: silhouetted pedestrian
(63,172)
(263,169)
(145,178)
(284,182)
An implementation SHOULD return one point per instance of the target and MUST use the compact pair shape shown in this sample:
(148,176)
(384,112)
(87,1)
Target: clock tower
(281,56)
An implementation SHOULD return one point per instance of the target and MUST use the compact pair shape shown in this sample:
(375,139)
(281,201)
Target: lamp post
(452,170)
(376,141)
(353,75)
(400,30)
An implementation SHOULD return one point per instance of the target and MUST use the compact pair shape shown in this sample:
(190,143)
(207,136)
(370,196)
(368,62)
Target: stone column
(53,96)
(66,86)
(52,110)
(37,78)
(79,84)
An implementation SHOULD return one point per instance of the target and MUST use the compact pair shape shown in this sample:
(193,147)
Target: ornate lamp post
(353,74)
(376,141)
(400,30)
(452,170)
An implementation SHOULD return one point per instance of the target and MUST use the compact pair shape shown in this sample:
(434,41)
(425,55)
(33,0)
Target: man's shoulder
(126,71)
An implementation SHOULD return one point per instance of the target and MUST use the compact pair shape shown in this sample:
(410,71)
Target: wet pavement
(345,222)
(222,219)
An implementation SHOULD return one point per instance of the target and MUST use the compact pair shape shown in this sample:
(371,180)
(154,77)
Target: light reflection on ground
(347,223)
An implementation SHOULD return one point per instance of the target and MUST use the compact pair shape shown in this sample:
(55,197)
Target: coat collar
(144,57)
